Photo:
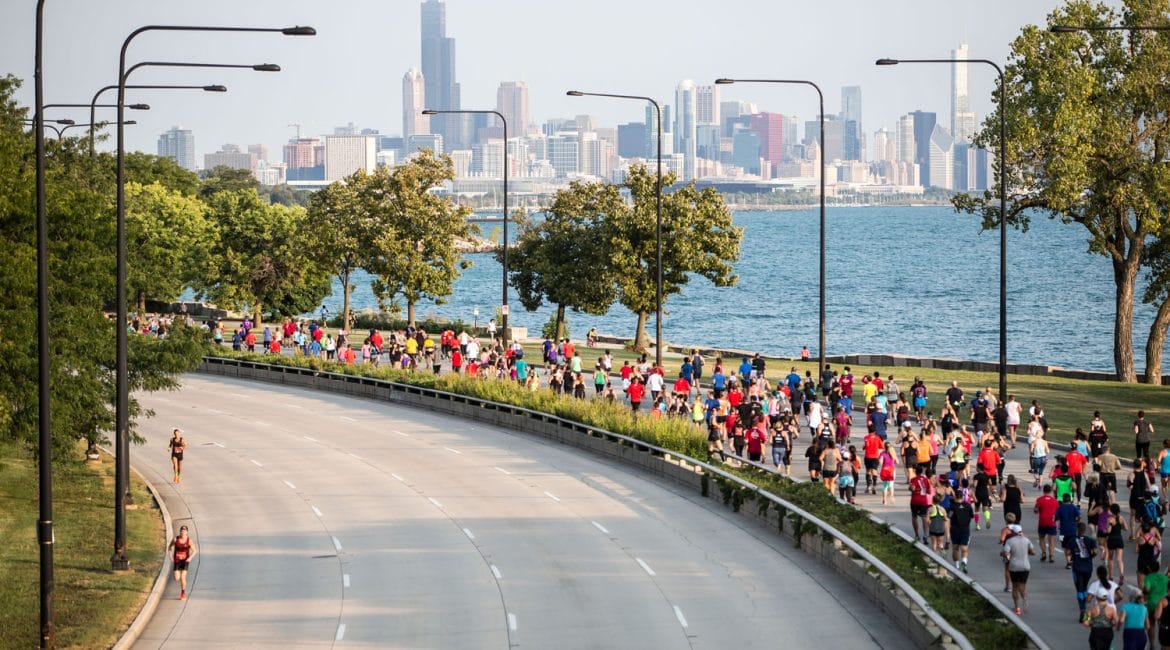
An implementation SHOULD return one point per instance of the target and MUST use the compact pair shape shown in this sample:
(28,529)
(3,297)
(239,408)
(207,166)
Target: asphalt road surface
(324,520)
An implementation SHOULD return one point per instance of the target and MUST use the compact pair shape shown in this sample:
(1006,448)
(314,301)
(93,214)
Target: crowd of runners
(869,434)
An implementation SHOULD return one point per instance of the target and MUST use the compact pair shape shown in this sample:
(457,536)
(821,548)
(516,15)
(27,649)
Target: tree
(259,257)
(698,238)
(563,259)
(166,236)
(1087,133)
(226,179)
(413,246)
(339,231)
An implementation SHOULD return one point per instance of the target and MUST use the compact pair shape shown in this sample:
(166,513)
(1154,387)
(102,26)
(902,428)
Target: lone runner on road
(183,549)
(177,444)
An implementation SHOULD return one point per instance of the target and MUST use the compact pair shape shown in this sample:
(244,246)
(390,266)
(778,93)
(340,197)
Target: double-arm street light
(93,104)
(657,218)
(120,560)
(507,217)
(68,124)
(1002,205)
(821,144)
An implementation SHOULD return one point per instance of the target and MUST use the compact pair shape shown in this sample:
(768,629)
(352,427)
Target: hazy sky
(352,71)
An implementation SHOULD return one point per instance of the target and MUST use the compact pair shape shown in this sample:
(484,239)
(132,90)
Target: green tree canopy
(1087,132)
(226,179)
(340,229)
(167,235)
(414,252)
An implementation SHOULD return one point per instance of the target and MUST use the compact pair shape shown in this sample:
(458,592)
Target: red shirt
(847,385)
(637,392)
(877,381)
(627,371)
(1076,462)
(873,445)
(376,340)
(735,398)
(681,385)
(920,491)
(274,347)
(755,441)
(1046,507)
(350,355)
(456,358)
(569,349)
(989,461)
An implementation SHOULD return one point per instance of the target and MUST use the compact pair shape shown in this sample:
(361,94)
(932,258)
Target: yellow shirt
(411,346)
(870,392)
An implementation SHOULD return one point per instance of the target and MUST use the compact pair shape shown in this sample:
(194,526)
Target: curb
(160,582)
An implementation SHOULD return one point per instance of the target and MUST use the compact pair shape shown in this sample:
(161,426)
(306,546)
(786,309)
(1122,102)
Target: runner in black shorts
(183,550)
(177,444)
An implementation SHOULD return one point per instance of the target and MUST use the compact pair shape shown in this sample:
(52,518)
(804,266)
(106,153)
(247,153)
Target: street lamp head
(886,62)
(724,81)
(429,111)
(138,107)
(1063,29)
(575,93)
(66,122)
(298,31)
(129,122)
(215,89)
(266,67)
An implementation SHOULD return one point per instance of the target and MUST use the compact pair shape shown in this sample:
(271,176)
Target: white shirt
(654,382)
(472,349)
(815,414)
(1013,412)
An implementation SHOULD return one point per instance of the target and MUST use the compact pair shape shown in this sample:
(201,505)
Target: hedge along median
(972,615)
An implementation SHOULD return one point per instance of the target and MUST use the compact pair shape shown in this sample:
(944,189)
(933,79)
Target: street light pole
(657,219)
(93,123)
(504,307)
(45,536)
(120,560)
(1002,206)
(821,145)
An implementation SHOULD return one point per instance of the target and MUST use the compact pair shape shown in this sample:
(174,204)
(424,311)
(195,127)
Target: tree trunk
(641,341)
(410,313)
(1155,343)
(559,330)
(345,288)
(141,302)
(257,311)
(1124,277)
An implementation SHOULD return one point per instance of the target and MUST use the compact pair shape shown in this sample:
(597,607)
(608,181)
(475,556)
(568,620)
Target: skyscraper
(851,129)
(686,106)
(441,92)
(924,124)
(962,119)
(707,105)
(904,139)
(345,154)
(305,159)
(512,103)
(179,145)
(413,103)
(941,159)
(769,127)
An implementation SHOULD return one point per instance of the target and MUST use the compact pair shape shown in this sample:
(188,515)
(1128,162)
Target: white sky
(352,71)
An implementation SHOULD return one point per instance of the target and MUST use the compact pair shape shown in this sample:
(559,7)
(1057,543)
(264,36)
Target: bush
(364,321)
(549,329)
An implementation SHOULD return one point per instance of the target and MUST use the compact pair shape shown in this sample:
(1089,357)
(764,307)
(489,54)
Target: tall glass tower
(438,71)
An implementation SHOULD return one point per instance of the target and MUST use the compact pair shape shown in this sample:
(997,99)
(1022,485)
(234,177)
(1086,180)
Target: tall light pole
(69,124)
(119,560)
(93,123)
(45,536)
(821,144)
(657,219)
(1002,206)
(507,217)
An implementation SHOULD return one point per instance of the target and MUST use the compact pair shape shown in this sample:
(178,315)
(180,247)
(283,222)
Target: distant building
(941,159)
(707,105)
(345,154)
(178,144)
(686,103)
(884,145)
(631,140)
(904,149)
(259,150)
(962,118)
(429,141)
(230,155)
(852,134)
(304,159)
(924,124)
(512,103)
(564,153)
(770,129)
(746,151)
(438,69)
(413,104)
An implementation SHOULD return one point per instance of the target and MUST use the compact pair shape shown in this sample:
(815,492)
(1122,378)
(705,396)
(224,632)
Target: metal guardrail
(853,546)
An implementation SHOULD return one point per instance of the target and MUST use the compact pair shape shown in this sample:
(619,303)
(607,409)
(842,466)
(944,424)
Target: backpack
(1153,513)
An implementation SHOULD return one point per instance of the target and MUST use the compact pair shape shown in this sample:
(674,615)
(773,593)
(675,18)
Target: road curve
(324,520)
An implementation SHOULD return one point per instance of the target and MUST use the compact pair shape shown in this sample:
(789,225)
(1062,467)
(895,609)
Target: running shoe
(1018,611)
(182,595)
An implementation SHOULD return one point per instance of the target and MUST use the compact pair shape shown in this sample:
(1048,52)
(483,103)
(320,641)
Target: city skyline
(352,72)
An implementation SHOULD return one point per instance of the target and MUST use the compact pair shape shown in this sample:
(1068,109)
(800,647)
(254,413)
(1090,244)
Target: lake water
(921,281)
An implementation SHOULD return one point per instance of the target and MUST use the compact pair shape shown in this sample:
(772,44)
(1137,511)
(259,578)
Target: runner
(873,451)
(886,473)
(939,525)
(1016,549)
(1143,429)
(921,493)
(1134,621)
(177,444)
(962,513)
(1100,617)
(183,551)
(1045,508)
(1082,550)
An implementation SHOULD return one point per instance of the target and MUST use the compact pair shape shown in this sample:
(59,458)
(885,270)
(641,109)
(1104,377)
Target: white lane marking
(502,470)
(290,485)
(551,496)
(340,632)
(293,406)
(397,477)
(645,566)
(317,512)
(454,451)
(348,419)
(511,621)
(600,527)
(345,583)
(220,445)
(467,532)
(310,439)
(337,545)
(404,435)
(257,463)
(216,411)
(435,501)
(679,615)
(262,423)
(355,455)
(496,572)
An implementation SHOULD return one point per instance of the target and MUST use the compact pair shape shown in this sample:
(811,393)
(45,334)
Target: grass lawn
(93,606)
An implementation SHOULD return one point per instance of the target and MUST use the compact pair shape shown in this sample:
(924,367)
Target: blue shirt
(879,423)
(793,380)
(687,370)
(1066,517)
(718,380)
(745,369)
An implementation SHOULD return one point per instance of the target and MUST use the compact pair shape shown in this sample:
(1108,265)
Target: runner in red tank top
(182,550)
